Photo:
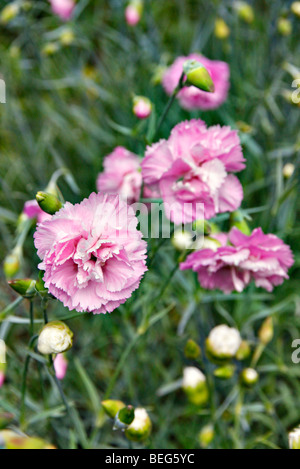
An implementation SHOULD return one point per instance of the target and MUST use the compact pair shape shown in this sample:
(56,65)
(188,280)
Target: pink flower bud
(133,13)
(60,366)
(63,8)
(2,378)
(142,107)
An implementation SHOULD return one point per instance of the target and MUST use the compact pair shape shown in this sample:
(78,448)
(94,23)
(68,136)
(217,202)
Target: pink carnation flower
(259,257)
(122,175)
(92,253)
(33,210)
(63,8)
(191,97)
(192,168)
(60,366)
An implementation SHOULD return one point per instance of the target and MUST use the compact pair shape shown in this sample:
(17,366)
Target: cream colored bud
(288,170)
(223,342)
(192,377)
(55,337)
(222,31)
(295,8)
(206,436)
(249,376)
(141,426)
(294,439)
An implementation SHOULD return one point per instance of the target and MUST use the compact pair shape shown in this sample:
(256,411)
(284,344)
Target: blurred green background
(69,93)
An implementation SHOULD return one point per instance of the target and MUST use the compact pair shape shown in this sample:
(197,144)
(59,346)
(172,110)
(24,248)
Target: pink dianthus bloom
(92,253)
(33,210)
(60,364)
(259,257)
(63,8)
(191,170)
(122,175)
(191,97)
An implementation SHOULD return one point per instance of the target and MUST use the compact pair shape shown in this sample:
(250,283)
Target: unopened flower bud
(24,287)
(112,407)
(192,350)
(182,240)
(295,8)
(223,342)
(194,385)
(206,436)
(294,439)
(50,48)
(249,376)
(48,202)
(142,107)
(9,12)
(12,440)
(237,219)
(133,12)
(243,351)
(124,418)
(288,170)
(67,37)
(197,75)
(222,31)
(225,372)
(266,331)
(55,337)
(284,26)
(60,364)
(244,11)
(140,428)
(12,262)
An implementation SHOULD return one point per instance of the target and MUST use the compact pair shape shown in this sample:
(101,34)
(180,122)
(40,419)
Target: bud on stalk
(249,376)
(55,337)
(140,428)
(197,75)
(112,407)
(294,439)
(48,202)
(24,287)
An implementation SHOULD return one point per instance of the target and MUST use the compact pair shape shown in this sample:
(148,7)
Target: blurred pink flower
(191,168)
(191,97)
(93,255)
(122,175)
(60,365)
(33,210)
(259,257)
(142,107)
(132,15)
(63,8)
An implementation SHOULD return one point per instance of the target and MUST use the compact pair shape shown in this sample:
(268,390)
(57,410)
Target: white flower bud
(141,426)
(288,170)
(223,342)
(182,240)
(192,377)
(294,439)
(55,337)
(249,376)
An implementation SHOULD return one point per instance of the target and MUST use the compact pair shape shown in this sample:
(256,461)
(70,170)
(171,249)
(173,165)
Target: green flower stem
(168,106)
(24,381)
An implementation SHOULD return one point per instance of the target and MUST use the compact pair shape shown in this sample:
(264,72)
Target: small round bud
(60,364)
(195,386)
(244,351)
(284,27)
(9,12)
(12,262)
(206,436)
(244,11)
(142,107)
(249,376)
(67,37)
(182,240)
(192,350)
(50,48)
(294,439)
(55,337)
(112,407)
(133,12)
(237,219)
(222,31)
(225,372)
(24,287)
(288,170)
(266,331)
(223,342)
(295,8)
(12,440)
(48,202)
(197,75)
(140,428)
